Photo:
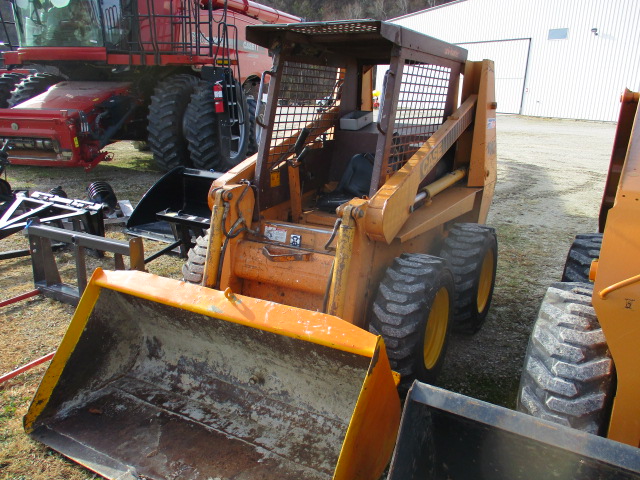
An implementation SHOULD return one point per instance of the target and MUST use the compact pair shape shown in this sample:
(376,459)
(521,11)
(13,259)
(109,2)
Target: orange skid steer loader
(345,250)
(579,412)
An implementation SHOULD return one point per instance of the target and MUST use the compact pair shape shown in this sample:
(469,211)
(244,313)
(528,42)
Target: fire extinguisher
(218,98)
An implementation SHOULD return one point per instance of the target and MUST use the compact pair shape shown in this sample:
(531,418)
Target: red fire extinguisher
(218,99)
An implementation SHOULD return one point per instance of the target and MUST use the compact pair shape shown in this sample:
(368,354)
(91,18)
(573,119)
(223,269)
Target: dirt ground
(551,176)
(550,180)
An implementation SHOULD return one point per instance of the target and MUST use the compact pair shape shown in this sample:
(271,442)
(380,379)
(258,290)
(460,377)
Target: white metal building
(553,58)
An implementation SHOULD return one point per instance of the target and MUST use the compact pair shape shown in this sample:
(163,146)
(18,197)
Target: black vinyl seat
(355,183)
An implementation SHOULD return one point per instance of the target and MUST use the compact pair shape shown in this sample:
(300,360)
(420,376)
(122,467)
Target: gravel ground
(550,180)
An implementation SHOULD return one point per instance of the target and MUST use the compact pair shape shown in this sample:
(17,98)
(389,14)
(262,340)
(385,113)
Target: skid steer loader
(580,380)
(338,258)
(581,366)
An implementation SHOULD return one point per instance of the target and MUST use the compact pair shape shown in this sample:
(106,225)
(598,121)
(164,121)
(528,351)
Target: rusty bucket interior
(160,379)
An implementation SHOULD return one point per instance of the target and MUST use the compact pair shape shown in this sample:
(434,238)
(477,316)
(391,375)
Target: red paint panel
(72,96)
(34,54)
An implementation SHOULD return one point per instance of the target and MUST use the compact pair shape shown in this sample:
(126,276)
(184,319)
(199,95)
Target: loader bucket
(160,379)
(445,435)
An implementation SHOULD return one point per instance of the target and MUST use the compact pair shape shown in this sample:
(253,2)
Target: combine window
(59,23)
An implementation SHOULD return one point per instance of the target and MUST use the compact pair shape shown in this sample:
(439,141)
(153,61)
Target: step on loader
(337,262)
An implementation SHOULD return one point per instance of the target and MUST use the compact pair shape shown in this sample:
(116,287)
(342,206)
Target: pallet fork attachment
(46,275)
(153,380)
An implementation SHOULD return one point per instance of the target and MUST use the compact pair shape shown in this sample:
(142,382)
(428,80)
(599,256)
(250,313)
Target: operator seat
(355,183)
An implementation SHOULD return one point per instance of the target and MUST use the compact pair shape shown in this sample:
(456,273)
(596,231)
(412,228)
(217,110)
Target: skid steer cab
(338,260)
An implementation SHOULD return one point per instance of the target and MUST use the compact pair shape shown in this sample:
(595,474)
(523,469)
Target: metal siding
(510,60)
(580,77)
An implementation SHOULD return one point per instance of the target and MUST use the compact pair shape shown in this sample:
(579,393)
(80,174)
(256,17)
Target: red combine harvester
(179,75)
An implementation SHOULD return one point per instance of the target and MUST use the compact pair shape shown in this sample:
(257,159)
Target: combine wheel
(585,249)
(8,82)
(472,252)
(201,130)
(412,312)
(203,134)
(166,113)
(252,143)
(32,86)
(567,375)
(193,269)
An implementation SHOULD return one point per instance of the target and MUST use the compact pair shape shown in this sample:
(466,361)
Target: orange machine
(581,364)
(346,248)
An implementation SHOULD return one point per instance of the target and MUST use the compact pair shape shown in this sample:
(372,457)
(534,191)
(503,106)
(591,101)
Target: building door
(510,59)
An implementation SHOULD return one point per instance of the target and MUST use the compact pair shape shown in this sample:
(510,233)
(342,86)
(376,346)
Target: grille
(309,96)
(335,28)
(420,110)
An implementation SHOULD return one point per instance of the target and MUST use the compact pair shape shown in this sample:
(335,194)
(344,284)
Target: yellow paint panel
(275,179)
(293,322)
(372,432)
(68,344)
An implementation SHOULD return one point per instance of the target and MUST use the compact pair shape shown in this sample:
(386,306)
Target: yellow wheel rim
(436,331)
(485,282)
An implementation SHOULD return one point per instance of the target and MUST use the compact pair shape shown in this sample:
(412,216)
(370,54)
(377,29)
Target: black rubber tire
(568,372)
(203,136)
(166,138)
(201,129)
(401,313)
(193,268)
(8,82)
(472,251)
(32,86)
(583,251)
(252,143)
(5,189)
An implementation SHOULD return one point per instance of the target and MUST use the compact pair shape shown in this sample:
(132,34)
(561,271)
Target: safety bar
(617,286)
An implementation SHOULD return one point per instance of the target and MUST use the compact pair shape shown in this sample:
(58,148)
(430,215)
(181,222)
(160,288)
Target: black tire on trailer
(412,312)
(585,248)
(166,138)
(252,143)
(32,86)
(193,268)
(203,135)
(472,252)
(8,82)
(568,372)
